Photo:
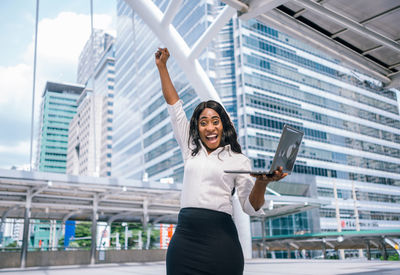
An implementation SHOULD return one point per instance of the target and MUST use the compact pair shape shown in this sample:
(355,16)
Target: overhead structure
(161,24)
(62,197)
(373,239)
(364,34)
(49,196)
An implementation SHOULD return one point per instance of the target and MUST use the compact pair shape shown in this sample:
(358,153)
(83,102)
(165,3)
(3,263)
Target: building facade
(103,85)
(93,51)
(83,157)
(57,110)
(350,153)
(350,156)
(90,138)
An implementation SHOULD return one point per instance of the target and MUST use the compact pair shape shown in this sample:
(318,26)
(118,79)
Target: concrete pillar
(288,252)
(263,238)
(324,250)
(339,225)
(94,232)
(25,237)
(384,252)
(242,222)
(368,250)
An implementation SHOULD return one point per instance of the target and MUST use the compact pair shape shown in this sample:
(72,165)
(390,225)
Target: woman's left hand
(277,175)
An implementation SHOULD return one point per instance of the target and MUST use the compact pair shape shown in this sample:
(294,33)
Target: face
(210,129)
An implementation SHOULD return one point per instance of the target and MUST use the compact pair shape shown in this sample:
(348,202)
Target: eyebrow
(213,117)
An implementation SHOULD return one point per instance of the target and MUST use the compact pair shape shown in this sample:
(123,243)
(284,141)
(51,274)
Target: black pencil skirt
(205,242)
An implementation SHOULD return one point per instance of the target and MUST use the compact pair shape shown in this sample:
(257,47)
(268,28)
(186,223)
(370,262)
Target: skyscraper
(57,110)
(83,156)
(93,51)
(90,139)
(143,142)
(350,156)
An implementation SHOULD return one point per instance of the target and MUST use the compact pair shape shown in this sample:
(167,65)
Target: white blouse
(205,184)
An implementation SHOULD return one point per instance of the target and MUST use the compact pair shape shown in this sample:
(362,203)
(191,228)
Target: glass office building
(57,110)
(350,156)
(143,143)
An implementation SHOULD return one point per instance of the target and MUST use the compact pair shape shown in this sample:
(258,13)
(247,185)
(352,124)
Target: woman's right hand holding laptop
(265,179)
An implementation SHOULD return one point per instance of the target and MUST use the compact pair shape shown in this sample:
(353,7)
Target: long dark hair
(229,135)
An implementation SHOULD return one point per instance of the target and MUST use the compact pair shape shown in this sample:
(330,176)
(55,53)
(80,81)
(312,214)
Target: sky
(63,30)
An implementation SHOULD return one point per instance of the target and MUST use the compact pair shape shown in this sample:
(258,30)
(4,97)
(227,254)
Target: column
(368,250)
(360,251)
(324,248)
(94,232)
(242,222)
(263,238)
(339,226)
(25,238)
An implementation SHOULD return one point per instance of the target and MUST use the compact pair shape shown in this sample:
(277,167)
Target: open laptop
(285,154)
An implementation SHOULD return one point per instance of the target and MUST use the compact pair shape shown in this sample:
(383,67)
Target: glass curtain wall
(266,79)
(351,126)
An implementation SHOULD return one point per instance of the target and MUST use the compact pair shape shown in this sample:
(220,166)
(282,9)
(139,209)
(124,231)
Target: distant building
(104,82)
(93,51)
(11,231)
(83,157)
(57,110)
(90,142)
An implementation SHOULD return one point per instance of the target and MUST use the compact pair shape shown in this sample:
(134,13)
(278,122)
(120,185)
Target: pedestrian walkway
(252,267)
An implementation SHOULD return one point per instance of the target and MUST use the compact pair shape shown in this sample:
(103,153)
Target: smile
(212,138)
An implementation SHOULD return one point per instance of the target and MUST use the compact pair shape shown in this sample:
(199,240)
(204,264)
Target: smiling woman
(210,128)
(211,125)
(206,240)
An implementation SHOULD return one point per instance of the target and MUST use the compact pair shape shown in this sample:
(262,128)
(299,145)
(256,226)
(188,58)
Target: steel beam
(152,16)
(350,24)
(171,11)
(257,7)
(395,83)
(238,5)
(224,16)
(367,20)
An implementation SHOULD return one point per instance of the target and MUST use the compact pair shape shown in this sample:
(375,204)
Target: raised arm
(168,89)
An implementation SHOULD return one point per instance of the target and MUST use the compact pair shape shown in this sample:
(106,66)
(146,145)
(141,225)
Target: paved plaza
(253,267)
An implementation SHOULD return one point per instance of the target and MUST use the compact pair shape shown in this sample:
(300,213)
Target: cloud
(15,82)
(21,148)
(15,104)
(17,155)
(60,41)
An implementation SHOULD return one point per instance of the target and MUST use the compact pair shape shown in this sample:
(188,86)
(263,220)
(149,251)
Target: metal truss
(161,24)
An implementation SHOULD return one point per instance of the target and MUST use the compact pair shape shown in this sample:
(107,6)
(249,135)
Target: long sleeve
(244,184)
(180,126)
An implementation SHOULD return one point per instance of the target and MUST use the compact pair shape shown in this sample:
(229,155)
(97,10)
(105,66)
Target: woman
(205,240)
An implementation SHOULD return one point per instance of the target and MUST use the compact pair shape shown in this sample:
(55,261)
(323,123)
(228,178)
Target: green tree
(12,244)
(83,230)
